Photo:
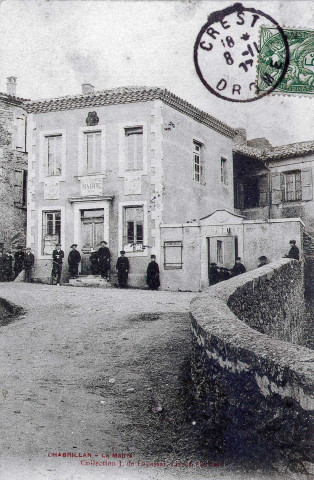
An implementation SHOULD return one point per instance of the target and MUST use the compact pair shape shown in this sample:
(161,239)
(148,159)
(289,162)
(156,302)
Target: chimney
(11,86)
(87,88)
(260,143)
(240,138)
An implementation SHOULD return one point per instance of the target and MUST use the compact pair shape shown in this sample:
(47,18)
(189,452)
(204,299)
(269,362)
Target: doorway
(222,251)
(92,233)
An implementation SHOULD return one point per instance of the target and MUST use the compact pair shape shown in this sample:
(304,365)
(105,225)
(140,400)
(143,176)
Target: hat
(238,258)
(213,263)
(58,244)
(73,245)
(27,248)
(153,256)
(122,252)
(104,241)
(19,247)
(262,257)
(292,241)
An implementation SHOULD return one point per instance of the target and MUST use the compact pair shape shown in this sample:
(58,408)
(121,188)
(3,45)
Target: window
(133,233)
(54,155)
(92,144)
(134,148)
(223,171)
(197,162)
(220,256)
(173,255)
(20,187)
(51,234)
(252,191)
(291,186)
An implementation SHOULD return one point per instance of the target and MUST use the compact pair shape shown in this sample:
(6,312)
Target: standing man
(29,261)
(74,259)
(238,268)
(104,260)
(18,261)
(8,266)
(153,281)
(294,251)
(213,274)
(123,268)
(57,259)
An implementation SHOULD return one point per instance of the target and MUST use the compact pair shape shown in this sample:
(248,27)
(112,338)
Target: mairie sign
(91,186)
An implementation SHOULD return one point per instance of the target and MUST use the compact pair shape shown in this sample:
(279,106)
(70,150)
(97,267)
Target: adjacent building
(13,168)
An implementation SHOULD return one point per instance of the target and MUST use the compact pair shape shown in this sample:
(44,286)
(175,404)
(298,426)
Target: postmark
(226,53)
(299,78)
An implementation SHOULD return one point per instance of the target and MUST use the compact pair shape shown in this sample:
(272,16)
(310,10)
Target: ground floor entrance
(92,233)
(221,250)
(91,226)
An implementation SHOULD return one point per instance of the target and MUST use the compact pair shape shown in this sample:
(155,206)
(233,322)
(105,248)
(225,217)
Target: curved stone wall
(254,392)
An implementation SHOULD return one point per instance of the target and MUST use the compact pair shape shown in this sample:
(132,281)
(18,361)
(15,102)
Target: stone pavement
(100,372)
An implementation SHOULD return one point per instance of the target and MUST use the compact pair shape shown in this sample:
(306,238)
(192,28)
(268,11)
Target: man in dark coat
(104,260)
(237,268)
(94,266)
(7,266)
(57,259)
(29,261)
(123,268)
(74,259)
(213,274)
(153,281)
(18,261)
(294,251)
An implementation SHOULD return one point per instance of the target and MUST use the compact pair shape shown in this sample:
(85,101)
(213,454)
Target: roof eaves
(130,95)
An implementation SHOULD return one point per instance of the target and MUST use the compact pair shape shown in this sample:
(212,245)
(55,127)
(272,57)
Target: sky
(54,46)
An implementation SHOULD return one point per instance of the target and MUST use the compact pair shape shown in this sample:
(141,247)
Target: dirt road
(101,375)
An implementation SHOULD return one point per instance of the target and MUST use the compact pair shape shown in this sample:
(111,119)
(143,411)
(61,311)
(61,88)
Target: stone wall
(308,251)
(254,391)
(12,209)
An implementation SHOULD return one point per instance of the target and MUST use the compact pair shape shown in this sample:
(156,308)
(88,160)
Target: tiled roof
(11,99)
(276,153)
(125,95)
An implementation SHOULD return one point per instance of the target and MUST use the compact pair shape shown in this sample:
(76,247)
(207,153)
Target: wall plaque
(133,185)
(51,190)
(91,186)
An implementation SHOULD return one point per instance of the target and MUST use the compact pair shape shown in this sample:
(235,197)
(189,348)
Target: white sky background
(54,46)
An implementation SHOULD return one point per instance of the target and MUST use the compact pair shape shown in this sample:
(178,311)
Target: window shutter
(307,188)
(263,190)
(276,185)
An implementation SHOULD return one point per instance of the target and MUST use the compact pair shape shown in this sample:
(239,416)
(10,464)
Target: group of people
(218,274)
(13,265)
(100,265)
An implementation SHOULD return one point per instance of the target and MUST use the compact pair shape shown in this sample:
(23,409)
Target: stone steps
(90,281)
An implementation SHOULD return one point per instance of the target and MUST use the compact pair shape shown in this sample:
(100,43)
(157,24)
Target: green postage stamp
(299,78)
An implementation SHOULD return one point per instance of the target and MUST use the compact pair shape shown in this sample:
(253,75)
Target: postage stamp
(226,54)
(299,78)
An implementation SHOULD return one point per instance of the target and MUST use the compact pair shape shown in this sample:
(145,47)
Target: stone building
(116,165)
(274,182)
(13,168)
